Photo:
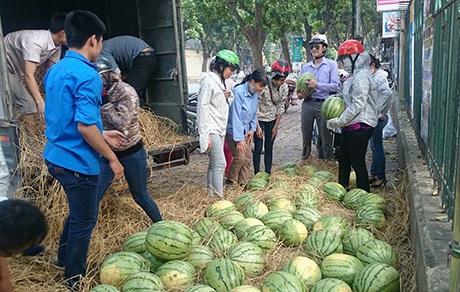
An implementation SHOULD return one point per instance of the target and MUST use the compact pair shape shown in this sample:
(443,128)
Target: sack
(390,129)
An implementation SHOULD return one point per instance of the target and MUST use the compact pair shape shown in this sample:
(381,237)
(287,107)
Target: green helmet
(229,58)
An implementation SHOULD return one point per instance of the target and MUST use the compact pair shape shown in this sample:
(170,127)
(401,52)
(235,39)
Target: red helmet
(351,47)
(281,68)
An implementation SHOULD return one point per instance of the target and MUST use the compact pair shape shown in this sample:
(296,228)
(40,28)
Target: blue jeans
(267,129)
(378,154)
(81,192)
(135,165)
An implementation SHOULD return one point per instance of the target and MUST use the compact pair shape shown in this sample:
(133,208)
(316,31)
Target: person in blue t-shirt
(74,137)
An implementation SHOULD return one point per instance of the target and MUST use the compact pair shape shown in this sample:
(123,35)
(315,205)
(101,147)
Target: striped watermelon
(281,185)
(281,203)
(104,288)
(288,165)
(301,85)
(155,263)
(248,256)
(200,256)
(308,216)
(293,232)
(354,239)
(332,223)
(206,226)
(219,207)
(309,170)
(255,184)
(351,198)
(262,236)
(324,176)
(341,266)
(323,243)
(196,238)
(305,269)
(276,218)
(276,194)
(242,226)
(229,219)
(176,273)
(309,188)
(169,240)
(332,107)
(331,285)
(262,174)
(315,181)
(377,278)
(377,251)
(334,191)
(372,200)
(221,240)
(243,201)
(245,288)
(117,267)
(281,281)
(200,288)
(255,210)
(307,196)
(135,242)
(368,216)
(143,282)
(223,275)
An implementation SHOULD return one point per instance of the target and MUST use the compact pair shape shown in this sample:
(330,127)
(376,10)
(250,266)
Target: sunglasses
(316,47)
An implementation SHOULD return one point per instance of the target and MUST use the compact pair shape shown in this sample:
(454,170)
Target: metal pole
(358,17)
(455,243)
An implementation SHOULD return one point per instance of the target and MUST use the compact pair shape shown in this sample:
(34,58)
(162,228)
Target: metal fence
(432,92)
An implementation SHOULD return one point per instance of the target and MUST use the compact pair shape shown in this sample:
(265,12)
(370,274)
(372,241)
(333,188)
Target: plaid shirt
(268,109)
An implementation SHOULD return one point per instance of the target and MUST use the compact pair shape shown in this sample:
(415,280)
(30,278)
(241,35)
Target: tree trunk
(308,35)
(206,53)
(285,46)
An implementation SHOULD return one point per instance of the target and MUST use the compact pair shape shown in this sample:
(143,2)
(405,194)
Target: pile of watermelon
(227,249)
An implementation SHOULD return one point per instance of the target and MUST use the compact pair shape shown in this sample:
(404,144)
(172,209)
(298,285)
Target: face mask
(347,65)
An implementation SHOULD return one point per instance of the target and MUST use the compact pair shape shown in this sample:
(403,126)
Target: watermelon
(245,288)
(255,210)
(281,203)
(242,226)
(248,256)
(324,176)
(332,107)
(262,236)
(372,200)
(323,243)
(309,188)
(331,285)
(354,239)
(155,263)
(135,242)
(200,256)
(196,238)
(282,281)
(276,218)
(377,278)
(104,288)
(200,288)
(169,240)
(334,191)
(308,216)
(292,232)
(305,269)
(256,183)
(262,174)
(243,200)
(377,251)
(307,196)
(309,170)
(301,85)
(350,200)
(223,275)
(116,268)
(368,216)
(288,165)
(176,273)
(206,227)
(276,194)
(341,266)
(219,207)
(221,240)
(281,185)
(229,219)
(143,282)
(315,181)
(332,223)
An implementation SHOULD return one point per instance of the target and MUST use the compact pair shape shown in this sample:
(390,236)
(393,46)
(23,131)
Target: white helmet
(319,39)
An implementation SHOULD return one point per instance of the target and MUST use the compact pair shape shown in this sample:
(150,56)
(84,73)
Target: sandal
(372,178)
(377,183)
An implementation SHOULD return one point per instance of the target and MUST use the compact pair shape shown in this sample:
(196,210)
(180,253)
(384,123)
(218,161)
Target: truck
(158,22)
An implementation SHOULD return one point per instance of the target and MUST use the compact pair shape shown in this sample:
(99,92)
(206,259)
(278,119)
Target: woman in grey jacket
(360,116)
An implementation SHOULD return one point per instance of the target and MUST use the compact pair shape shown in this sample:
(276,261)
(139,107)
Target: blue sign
(297,49)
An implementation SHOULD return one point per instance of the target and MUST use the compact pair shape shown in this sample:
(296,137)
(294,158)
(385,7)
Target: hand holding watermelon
(306,84)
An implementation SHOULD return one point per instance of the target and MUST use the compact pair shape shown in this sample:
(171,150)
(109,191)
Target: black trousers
(352,153)
(141,73)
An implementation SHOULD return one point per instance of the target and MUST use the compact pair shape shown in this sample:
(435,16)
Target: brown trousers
(240,169)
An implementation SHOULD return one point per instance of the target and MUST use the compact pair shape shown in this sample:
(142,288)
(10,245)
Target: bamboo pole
(455,243)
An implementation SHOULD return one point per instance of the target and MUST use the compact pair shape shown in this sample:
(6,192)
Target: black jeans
(140,74)
(267,128)
(352,153)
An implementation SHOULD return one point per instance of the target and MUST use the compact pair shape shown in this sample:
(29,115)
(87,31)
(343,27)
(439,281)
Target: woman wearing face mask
(271,107)
(242,123)
(360,116)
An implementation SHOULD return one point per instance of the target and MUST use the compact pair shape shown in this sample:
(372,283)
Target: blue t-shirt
(73,94)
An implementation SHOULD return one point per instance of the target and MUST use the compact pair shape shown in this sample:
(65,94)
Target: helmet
(103,65)
(318,39)
(228,58)
(281,68)
(349,47)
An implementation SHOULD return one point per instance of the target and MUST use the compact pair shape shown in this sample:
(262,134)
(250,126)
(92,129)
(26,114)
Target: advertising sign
(297,49)
(392,5)
(391,24)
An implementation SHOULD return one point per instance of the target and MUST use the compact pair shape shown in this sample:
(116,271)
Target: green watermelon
(368,216)
(219,207)
(305,269)
(292,232)
(155,263)
(229,219)
(169,240)
(256,183)
(377,251)
(307,196)
(206,227)
(341,266)
(245,288)
(200,288)
(372,200)
(262,236)
(324,176)
(221,240)
(281,203)
(334,191)
(281,281)
(332,223)
(199,256)
(116,268)
(243,201)
(242,226)
(196,238)
(276,194)
(262,174)
(377,278)
(354,239)
(248,256)
(332,107)
(309,170)
(143,282)
(308,216)
(276,218)
(331,285)
(135,242)
(176,273)
(255,210)
(281,185)
(288,165)
(350,200)
(301,85)
(315,181)
(223,275)
(104,288)
(322,243)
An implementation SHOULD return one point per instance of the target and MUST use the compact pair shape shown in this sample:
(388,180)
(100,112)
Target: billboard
(391,24)
(392,5)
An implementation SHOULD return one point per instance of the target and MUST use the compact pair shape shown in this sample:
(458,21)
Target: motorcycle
(192,126)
